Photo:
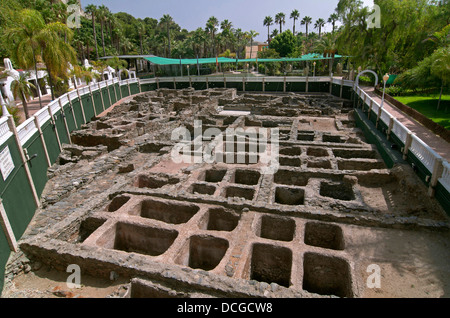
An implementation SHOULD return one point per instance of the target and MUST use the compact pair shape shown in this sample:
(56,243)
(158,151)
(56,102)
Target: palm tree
(332,19)
(57,53)
(102,13)
(21,88)
(306,21)
(167,20)
(268,21)
(92,10)
(211,26)
(252,34)
(274,33)
(141,31)
(295,15)
(320,23)
(280,19)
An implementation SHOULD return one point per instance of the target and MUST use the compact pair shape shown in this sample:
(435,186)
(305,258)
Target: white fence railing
(445,178)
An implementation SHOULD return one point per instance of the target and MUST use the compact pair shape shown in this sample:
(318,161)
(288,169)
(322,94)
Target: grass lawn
(427,104)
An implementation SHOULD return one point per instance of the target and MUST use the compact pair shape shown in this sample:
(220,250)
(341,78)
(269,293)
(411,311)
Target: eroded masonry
(118,205)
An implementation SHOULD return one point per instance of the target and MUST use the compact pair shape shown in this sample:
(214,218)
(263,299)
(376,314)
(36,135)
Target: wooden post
(101,95)
(139,85)
(307,83)
(407,146)
(174,83)
(243,84)
(264,84)
(207,83)
(391,125)
(56,128)
(284,85)
(41,135)
(437,172)
(115,91)
(65,120)
(73,113)
(7,229)
(81,105)
(157,83)
(93,102)
(378,116)
(109,94)
(12,127)
(129,88)
(224,82)
(342,87)
(370,109)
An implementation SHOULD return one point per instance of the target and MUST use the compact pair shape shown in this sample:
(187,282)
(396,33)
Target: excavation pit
(203,252)
(338,191)
(219,219)
(214,175)
(290,151)
(141,239)
(289,196)
(277,228)
(326,275)
(288,177)
(238,192)
(117,203)
(247,177)
(317,152)
(271,264)
(168,212)
(324,235)
(201,188)
(289,161)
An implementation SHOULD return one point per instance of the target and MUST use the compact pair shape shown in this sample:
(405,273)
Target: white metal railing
(5,132)
(445,178)
(400,131)
(26,130)
(42,115)
(423,152)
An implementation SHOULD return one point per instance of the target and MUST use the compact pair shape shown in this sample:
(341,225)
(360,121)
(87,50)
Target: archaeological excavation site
(218,193)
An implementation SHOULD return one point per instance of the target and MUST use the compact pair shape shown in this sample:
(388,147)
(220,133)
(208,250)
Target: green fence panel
(237,85)
(443,196)
(61,127)
(98,102)
(51,141)
(77,111)
(274,87)
(112,95)
(69,118)
(87,107)
(106,97)
(252,87)
(16,193)
(4,256)
(38,165)
(336,90)
(420,169)
(124,90)
(216,84)
(296,87)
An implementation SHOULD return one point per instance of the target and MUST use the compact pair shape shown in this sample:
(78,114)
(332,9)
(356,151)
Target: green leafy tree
(440,67)
(284,43)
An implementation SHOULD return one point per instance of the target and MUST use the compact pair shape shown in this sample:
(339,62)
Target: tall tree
(252,34)
(295,15)
(320,23)
(25,39)
(333,19)
(280,19)
(211,26)
(102,13)
(268,21)
(167,21)
(141,31)
(306,21)
(21,89)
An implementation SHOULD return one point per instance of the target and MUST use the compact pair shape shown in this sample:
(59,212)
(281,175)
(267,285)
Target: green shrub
(14,111)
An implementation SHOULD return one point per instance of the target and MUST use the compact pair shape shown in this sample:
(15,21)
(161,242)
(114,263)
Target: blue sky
(245,14)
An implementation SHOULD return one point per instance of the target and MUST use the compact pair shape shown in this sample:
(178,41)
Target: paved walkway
(438,144)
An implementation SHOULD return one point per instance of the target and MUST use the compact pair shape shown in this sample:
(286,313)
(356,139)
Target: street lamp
(385,79)
(314,72)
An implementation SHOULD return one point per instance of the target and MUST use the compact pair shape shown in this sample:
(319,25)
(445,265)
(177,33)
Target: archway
(363,72)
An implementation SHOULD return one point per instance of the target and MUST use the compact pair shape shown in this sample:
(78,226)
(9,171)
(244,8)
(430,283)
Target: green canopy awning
(166,61)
